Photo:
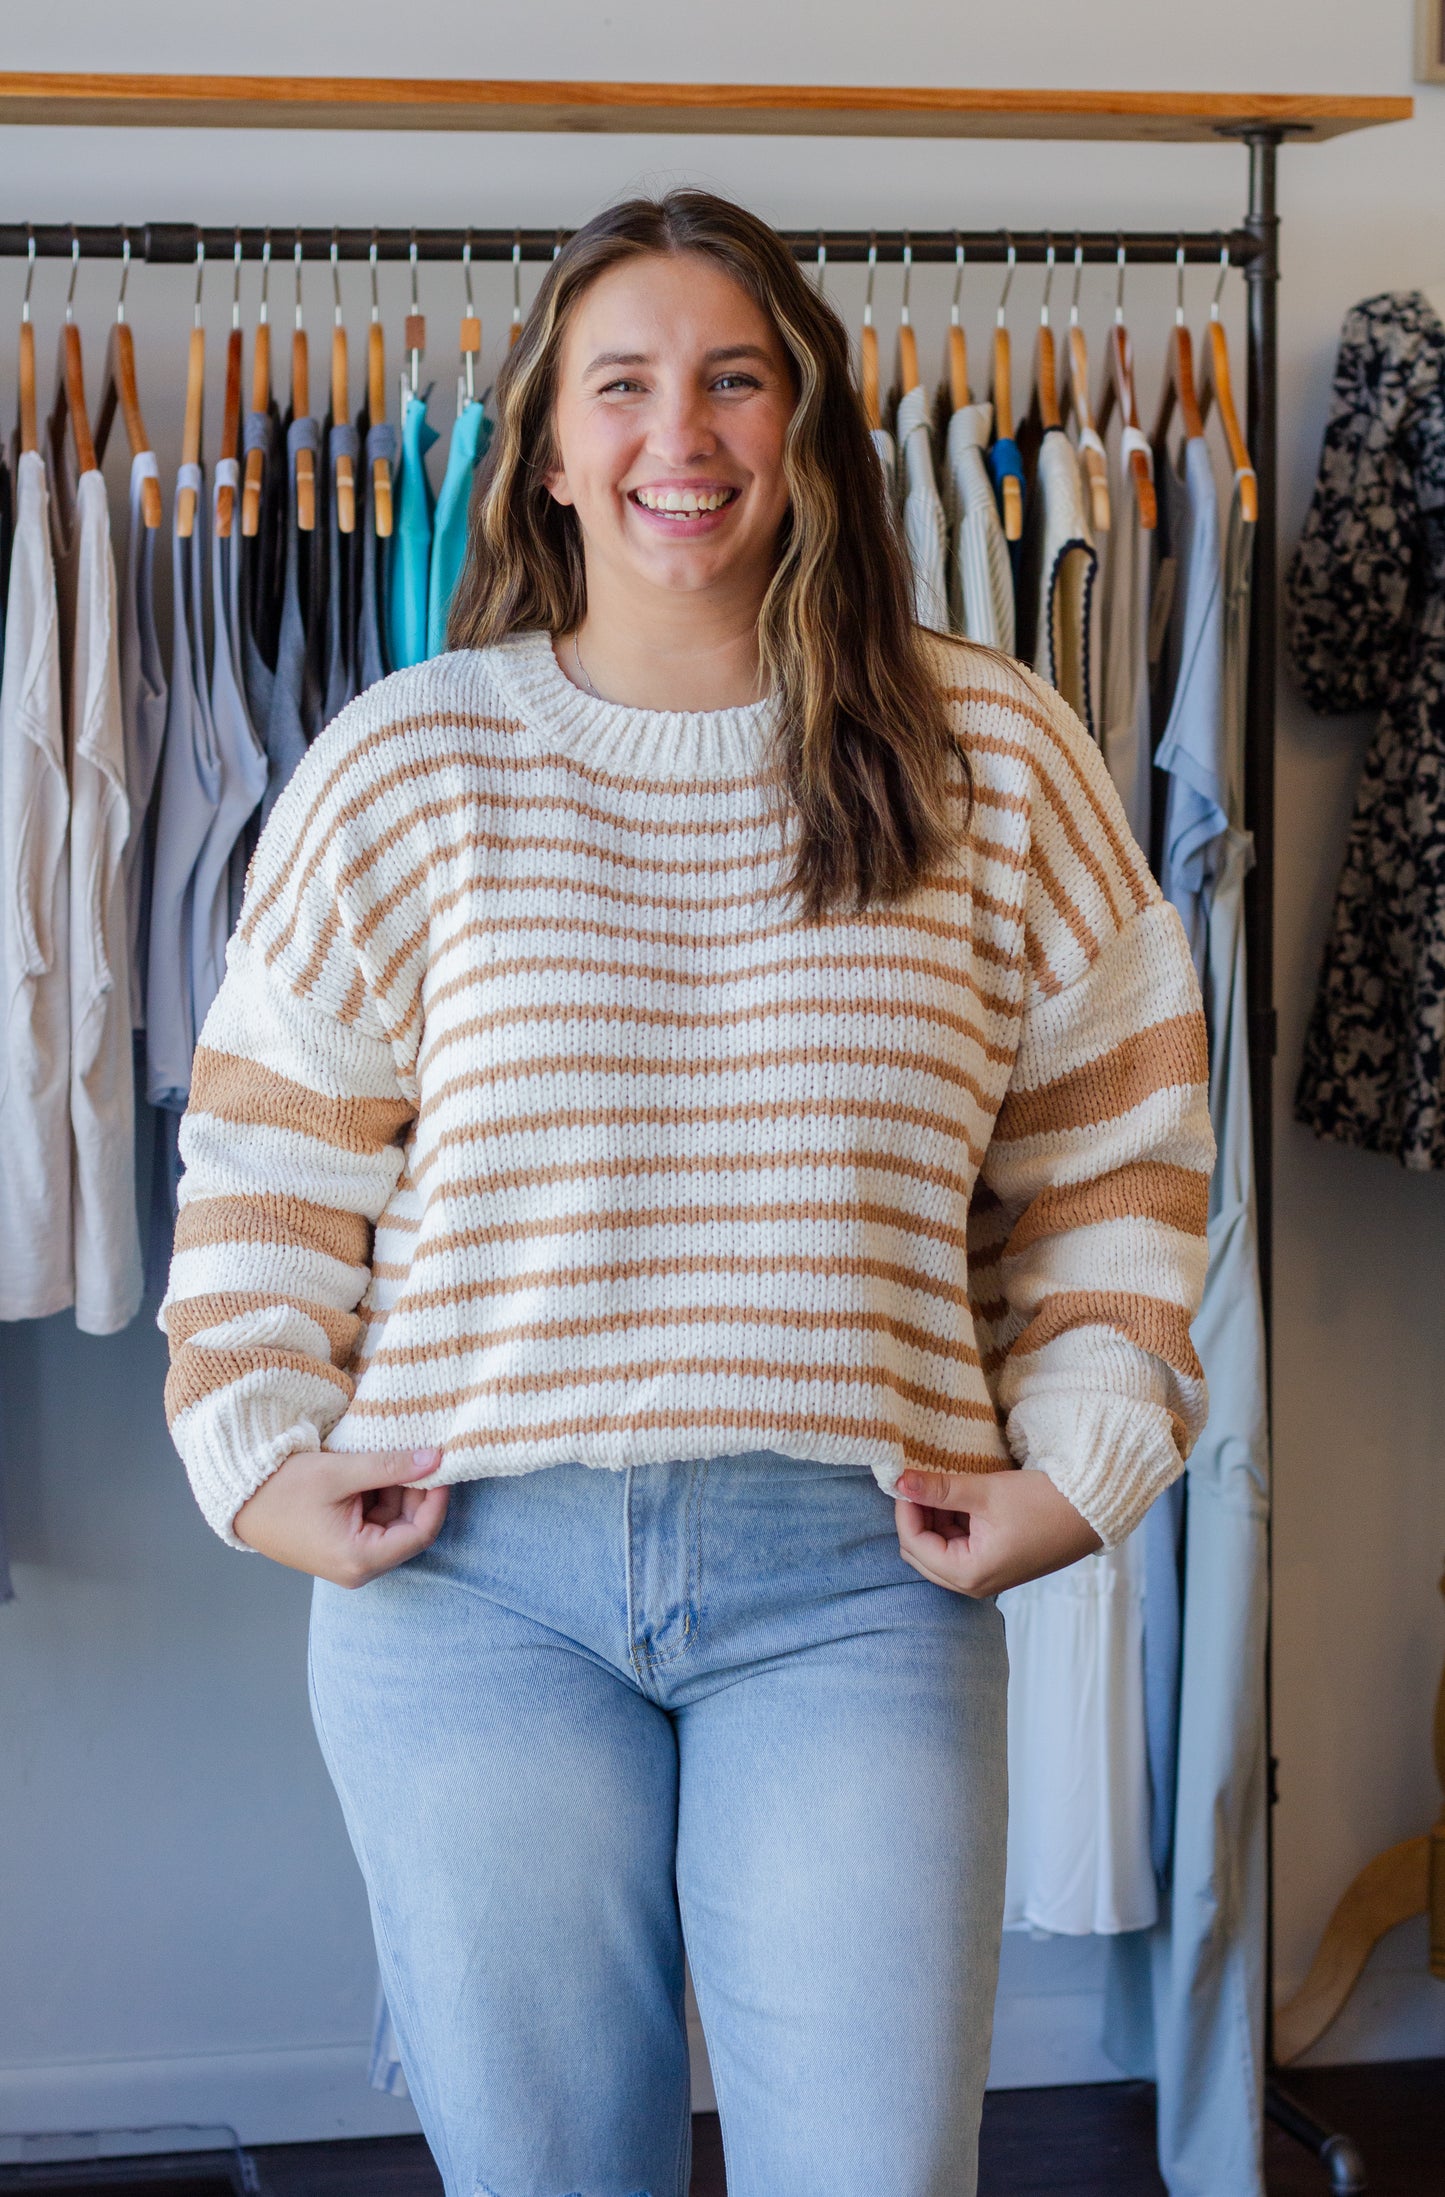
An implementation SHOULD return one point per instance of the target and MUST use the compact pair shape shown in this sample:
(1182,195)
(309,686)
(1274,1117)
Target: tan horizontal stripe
(544,1381)
(548,1119)
(1175,1197)
(1154,1324)
(992,1310)
(687,1167)
(637,1318)
(190,1316)
(702,1417)
(351,1005)
(272,1218)
(588,1224)
(810,966)
(1060,808)
(670,1267)
(242,1091)
(886,1012)
(873,1058)
(1065,906)
(1169,1053)
(1125,853)
(1048,983)
(429,721)
(198,1373)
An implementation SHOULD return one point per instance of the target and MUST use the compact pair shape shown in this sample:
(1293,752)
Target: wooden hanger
(260,399)
(868,349)
(1119,390)
(1003,404)
(1178,374)
(29,435)
(1044,399)
(195,402)
(471,337)
(1075,399)
(68,410)
(231,407)
(341,404)
(906,375)
(119,393)
(1215,380)
(955,364)
(301,410)
(376,405)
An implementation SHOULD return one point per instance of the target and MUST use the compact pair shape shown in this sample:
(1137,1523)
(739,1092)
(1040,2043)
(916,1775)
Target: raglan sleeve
(291,1145)
(1088,1243)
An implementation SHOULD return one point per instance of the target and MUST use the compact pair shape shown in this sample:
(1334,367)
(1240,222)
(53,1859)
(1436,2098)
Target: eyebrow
(710,358)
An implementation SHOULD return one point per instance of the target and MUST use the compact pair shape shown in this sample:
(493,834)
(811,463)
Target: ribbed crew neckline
(654,743)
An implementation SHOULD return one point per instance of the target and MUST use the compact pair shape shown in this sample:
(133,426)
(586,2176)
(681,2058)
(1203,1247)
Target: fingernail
(426,1460)
(909,1483)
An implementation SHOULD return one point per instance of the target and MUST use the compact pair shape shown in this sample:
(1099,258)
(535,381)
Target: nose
(681,430)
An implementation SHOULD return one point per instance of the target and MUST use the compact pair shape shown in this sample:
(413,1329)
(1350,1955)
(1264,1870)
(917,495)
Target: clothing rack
(1261,123)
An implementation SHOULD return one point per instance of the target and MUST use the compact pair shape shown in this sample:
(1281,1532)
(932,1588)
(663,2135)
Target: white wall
(183,1929)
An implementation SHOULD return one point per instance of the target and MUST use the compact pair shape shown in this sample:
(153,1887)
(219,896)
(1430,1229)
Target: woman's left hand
(979,1532)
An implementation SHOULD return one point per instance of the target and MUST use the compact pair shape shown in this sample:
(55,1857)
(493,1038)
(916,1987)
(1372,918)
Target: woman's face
(673,399)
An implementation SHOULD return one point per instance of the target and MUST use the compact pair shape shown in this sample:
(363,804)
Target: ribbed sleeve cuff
(229,1455)
(1110,1456)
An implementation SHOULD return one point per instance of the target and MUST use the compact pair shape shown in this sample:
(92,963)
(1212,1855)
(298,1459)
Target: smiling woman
(706,1028)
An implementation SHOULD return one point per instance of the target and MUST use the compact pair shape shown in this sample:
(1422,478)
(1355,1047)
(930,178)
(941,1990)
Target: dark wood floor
(1091,2142)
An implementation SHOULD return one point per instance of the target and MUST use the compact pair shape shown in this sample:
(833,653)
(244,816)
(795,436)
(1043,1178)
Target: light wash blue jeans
(610,1710)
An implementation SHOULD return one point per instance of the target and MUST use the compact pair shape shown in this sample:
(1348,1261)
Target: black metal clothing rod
(173,243)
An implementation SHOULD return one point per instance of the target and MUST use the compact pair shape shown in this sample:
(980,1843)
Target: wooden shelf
(784,110)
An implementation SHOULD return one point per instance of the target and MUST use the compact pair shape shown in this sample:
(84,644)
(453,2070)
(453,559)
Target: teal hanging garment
(470,437)
(414,504)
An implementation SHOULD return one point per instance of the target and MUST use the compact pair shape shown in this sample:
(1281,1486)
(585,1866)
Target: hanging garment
(925,531)
(887,451)
(37,1268)
(1059,571)
(343,573)
(1365,627)
(414,505)
(294,716)
(1194,820)
(143,715)
(1125,590)
(372,660)
(1186,2001)
(107,1257)
(189,795)
(470,437)
(1005,462)
(261,559)
(240,763)
(1079,1816)
(980,572)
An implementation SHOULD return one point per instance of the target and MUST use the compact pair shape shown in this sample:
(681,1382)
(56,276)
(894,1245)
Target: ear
(557,486)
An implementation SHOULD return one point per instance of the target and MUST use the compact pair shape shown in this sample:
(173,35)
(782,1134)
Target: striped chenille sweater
(531,1122)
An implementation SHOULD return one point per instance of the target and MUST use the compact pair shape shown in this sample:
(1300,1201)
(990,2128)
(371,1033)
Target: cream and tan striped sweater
(531,1122)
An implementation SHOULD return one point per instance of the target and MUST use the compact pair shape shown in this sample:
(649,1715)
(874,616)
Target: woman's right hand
(346,1516)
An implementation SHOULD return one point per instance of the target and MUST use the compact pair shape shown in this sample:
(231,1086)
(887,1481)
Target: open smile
(684,510)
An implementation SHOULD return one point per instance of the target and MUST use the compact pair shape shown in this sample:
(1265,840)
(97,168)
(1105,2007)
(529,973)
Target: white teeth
(682,503)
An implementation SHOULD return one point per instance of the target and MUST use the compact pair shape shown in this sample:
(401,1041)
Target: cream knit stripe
(529,1121)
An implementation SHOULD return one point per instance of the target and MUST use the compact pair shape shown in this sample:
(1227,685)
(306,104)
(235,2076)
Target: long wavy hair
(863,756)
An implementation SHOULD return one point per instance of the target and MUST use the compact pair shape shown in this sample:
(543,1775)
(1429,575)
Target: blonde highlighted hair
(863,758)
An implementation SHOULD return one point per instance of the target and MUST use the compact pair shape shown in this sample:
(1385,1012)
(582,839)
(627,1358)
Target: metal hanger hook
(236,282)
(375,301)
(297,257)
(872,272)
(124,271)
(411,255)
(907,279)
(1048,281)
(74,270)
(822,264)
(336,277)
(1179,284)
(29,270)
(1219,285)
(1008,280)
(959,257)
(516,278)
(200,273)
(467,275)
(1078,280)
(559,238)
(265,312)
(1121,262)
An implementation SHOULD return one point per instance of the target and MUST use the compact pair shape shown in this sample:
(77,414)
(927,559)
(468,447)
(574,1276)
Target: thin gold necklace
(576,651)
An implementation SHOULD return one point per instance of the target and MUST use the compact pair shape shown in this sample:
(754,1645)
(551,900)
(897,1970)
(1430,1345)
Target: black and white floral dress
(1365,627)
